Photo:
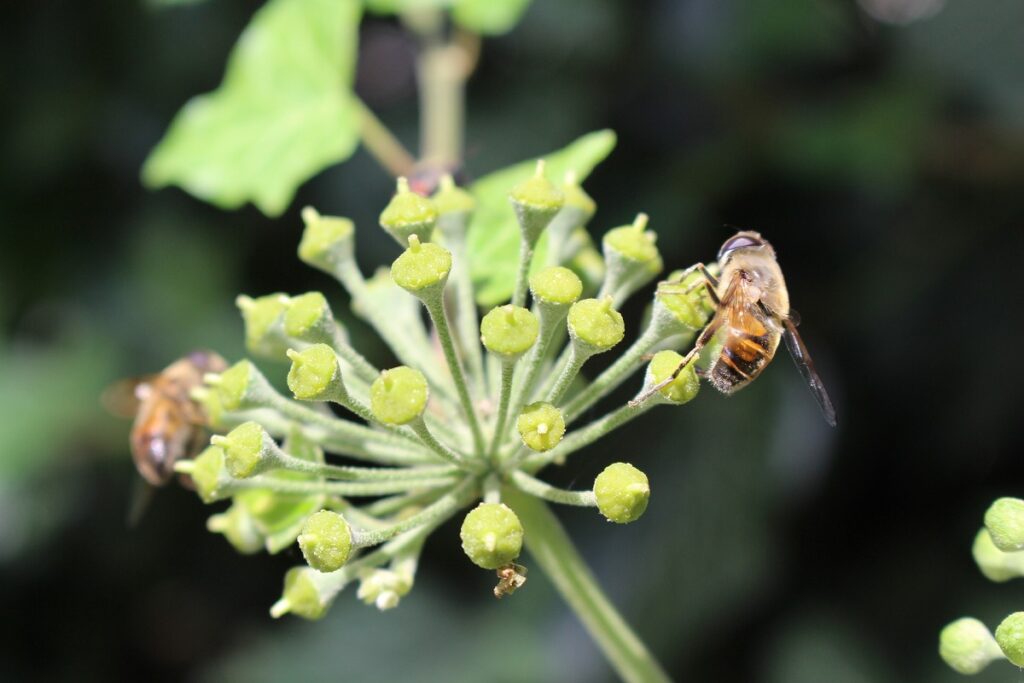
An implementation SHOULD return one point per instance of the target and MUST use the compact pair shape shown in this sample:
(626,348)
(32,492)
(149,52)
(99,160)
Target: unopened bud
(491,535)
(680,390)
(422,268)
(967,646)
(595,324)
(1005,523)
(536,201)
(1010,637)
(408,213)
(509,331)
(315,374)
(622,493)
(326,241)
(541,426)
(399,395)
(326,541)
(248,450)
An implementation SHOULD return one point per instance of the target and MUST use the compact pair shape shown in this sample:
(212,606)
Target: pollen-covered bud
(326,241)
(556,286)
(967,646)
(994,563)
(248,450)
(407,214)
(683,388)
(308,318)
(1010,637)
(683,295)
(207,472)
(631,256)
(315,374)
(541,426)
(622,492)
(240,387)
(326,541)
(1005,523)
(238,526)
(536,201)
(302,595)
(491,535)
(264,331)
(509,331)
(423,268)
(398,396)
(594,324)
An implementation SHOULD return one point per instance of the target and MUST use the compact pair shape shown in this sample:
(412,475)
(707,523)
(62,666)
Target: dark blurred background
(878,144)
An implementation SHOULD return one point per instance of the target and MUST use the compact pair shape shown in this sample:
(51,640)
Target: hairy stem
(551,547)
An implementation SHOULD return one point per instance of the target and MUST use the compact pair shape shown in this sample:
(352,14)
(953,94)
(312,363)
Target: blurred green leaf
(399,6)
(489,17)
(284,112)
(493,247)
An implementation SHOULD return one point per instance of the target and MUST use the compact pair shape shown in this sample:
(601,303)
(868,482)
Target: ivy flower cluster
(359,465)
(966,644)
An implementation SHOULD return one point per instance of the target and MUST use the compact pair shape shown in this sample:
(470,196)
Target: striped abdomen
(743,356)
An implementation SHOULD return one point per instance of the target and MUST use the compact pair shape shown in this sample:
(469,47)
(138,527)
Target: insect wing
(802,358)
(121,399)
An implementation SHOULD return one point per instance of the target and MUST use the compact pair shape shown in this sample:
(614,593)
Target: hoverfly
(169,425)
(752,315)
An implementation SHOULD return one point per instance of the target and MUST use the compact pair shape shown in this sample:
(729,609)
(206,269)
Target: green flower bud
(308,318)
(595,324)
(541,426)
(422,268)
(239,528)
(586,261)
(536,202)
(451,198)
(208,474)
(691,308)
(315,374)
(326,541)
(491,535)
(326,241)
(994,563)
(967,646)
(240,387)
(556,286)
(577,199)
(683,388)
(209,401)
(383,588)
(509,331)
(398,396)
(632,242)
(302,595)
(1010,637)
(622,492)
(248,450)
(408,214)
(264,331)
(1005,523)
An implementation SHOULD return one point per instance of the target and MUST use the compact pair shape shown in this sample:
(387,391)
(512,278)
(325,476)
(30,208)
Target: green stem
(443,508)
(382,145)
(567,375)
(350,473)
(334,488)
(551,547)
(431,442)
(435,307)
(523,273)
(507,370)
(535,487)
(585,436)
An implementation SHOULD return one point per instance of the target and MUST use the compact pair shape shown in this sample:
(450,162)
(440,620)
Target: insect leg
(701,342)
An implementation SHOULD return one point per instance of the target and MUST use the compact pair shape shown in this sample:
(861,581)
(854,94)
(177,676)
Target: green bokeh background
(886,164)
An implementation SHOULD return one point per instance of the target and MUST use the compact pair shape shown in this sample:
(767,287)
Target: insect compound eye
(740,241)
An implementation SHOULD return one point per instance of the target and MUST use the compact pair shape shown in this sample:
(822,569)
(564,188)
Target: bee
(168,424)
(752,315)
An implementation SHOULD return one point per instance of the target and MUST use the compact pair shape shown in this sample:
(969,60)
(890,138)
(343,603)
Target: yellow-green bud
(1005,523)
(264,334)
(683,388)
(556,285)
(399,395)
(595,324)
(577,199)
(308,318)
(541,426)
(301,595)
(967,646)
(408,213)
(421,268)
(536,201)
(451,198)
(240,387)
(491,535)
(208,474)
(326,241)
(692,309)
(509,331)
(248,450)
(994,563)
(1010,637)
(326,541)
(622,492)
(238,527)
(315,374)
(632,242)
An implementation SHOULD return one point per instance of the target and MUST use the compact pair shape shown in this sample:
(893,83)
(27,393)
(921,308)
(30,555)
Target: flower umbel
(464,424)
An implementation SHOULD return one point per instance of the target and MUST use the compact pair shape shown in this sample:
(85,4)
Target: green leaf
(489,17)
(284,112)
(493,244)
